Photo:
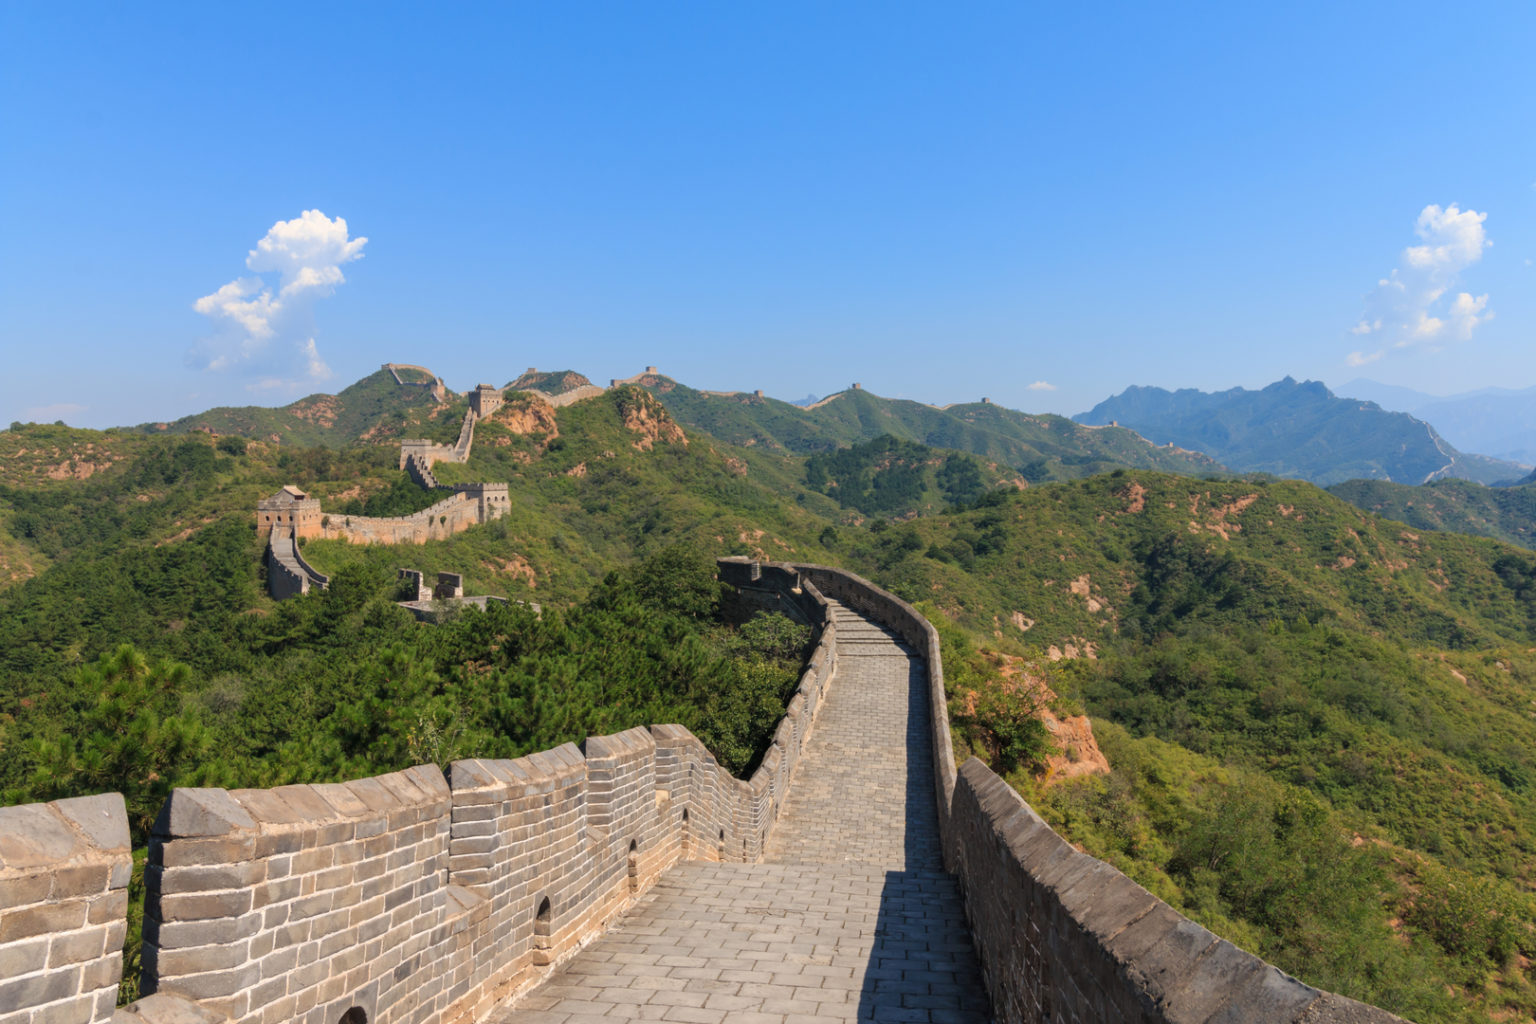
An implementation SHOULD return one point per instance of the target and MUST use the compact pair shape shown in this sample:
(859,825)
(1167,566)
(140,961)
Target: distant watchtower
(289,508)
(484,400)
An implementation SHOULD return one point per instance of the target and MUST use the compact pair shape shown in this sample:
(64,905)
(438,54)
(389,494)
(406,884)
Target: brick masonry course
(849,915)
(64,870)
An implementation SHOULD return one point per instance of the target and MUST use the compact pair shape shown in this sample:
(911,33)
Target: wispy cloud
(49,413)
(1414,307)
(1042,385)
(267,333)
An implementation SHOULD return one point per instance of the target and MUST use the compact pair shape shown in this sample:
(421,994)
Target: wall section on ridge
(1061,935)
(787,580)
(412,897)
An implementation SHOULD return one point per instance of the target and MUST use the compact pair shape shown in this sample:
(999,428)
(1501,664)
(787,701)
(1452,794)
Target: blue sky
(941,201)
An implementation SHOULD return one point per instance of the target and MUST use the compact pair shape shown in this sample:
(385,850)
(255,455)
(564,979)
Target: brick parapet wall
(1061,935)
(420,472)
(454,514)
(571,397)
(285,576)
(792,580)
(316,577)
(297,903)
(302,902)
(1066,937)
(64,871)
(412,899)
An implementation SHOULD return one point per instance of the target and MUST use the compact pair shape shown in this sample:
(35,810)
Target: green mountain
(375,409)
(551,382)
(1317,722)
(1043,447)
(1298,430)
(1460,506)
(1498,421)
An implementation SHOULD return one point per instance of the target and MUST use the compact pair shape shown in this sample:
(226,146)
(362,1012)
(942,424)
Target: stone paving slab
(850,916)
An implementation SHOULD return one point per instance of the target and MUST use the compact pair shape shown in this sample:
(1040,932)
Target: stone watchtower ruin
(289,509)
(484,400)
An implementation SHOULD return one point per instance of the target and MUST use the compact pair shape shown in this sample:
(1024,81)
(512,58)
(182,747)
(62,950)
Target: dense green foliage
(1296,430)
(1319,722)
(345,684)
(1504,513)
(888,476)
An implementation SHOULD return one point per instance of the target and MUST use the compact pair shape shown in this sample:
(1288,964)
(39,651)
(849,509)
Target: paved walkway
(849,917)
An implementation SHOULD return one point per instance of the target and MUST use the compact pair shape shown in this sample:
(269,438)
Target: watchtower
(493,500)
(289,508)
(484,400)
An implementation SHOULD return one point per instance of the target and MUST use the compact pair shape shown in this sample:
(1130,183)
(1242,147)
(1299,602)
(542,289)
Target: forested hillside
(1504,513)
(1041,447)
(890,477)
(1318,723)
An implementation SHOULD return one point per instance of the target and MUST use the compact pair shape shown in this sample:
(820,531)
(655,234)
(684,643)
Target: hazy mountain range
(1500,422)
(1298,429)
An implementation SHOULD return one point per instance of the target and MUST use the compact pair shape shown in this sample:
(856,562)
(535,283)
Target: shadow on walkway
(922,966)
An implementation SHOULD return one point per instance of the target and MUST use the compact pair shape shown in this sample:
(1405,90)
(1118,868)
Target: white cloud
(50,413)
(1041,385)
(269,334)
(1456,239)
(1410,308)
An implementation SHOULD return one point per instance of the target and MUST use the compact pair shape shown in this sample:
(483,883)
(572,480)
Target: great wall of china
(857,873)
(291,515)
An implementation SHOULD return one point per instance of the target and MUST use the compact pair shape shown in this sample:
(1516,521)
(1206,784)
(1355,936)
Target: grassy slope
(1503,513)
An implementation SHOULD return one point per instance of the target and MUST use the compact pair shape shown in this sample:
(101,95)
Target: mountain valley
(1315,722)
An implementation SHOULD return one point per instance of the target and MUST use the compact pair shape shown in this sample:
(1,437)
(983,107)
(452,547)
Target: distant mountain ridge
(381,409)
(1297,429)
(1289,429)
(373,407)
(1500,422)
(1039,447)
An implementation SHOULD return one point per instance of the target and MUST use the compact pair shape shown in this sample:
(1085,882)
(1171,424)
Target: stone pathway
(850,916)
